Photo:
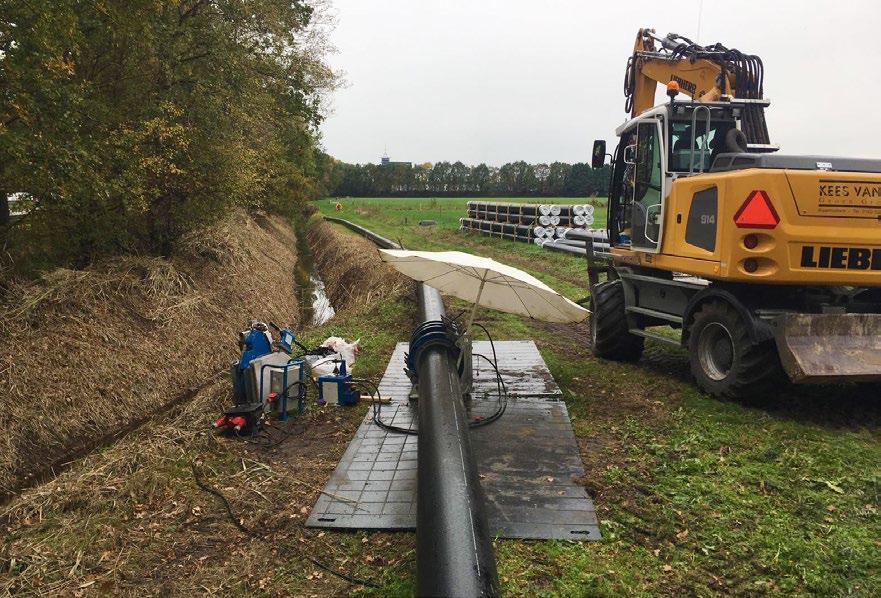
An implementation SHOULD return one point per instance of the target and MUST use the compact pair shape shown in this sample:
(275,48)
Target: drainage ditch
(315,305)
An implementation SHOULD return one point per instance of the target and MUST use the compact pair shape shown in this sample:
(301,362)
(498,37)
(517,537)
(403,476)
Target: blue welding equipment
(254,342)
(337,388)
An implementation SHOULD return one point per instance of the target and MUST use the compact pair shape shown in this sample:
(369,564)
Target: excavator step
(654,336)
(654,314)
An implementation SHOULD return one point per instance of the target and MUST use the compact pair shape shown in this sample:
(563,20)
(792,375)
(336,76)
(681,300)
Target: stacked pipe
(574,240)
(525,222)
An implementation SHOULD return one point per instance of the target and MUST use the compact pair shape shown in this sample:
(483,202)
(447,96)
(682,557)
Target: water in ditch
(315,305)
(321,309)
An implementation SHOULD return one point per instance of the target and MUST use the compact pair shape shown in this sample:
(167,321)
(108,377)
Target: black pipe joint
(432,333)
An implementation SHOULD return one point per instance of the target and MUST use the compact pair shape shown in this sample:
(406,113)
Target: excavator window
(683,139)
(648,177)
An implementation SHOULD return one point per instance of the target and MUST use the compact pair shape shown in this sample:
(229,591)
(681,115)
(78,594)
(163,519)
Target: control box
(337,389)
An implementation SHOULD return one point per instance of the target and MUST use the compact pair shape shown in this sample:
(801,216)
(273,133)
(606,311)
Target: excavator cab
(665,143)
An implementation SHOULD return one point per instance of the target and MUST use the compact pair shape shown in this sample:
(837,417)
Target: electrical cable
(503,397)
(491,343)
(500,383)
(502,391)
(286,434)
(251,533)
(376,404)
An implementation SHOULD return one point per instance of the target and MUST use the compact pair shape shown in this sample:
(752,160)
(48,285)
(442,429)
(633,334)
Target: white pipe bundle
(578,220)
(556,210)
(538,232)
(544,220)
(555,220)
(544,210)
(597,235)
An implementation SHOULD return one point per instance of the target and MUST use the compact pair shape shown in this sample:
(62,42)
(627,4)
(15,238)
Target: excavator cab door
(645,177)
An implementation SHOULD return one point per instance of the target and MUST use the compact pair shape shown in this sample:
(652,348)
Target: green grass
(408,211)
(695,495)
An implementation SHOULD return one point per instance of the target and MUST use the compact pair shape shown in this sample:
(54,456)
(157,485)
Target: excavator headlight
(757,212)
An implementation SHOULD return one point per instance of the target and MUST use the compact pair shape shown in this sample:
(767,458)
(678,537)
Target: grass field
(696,496)
(398,219)
(446,211)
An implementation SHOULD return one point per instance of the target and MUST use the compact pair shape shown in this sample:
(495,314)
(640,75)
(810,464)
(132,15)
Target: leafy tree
(127,123)
(515,179)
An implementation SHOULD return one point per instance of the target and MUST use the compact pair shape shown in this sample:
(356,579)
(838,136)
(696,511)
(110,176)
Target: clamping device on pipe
(444,333)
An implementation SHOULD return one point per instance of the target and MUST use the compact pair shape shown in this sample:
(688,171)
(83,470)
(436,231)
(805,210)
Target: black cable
(249,532)
(500,383)
(503,397)
(491,343)
(376,404)
(286,434)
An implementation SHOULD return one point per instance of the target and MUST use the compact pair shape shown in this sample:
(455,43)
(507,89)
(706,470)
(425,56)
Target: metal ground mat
(528,460)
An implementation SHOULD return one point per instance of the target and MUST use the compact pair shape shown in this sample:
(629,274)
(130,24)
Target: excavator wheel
(725,361)
(609,334)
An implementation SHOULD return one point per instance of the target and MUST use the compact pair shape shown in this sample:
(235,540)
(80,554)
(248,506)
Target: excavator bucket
(818,348)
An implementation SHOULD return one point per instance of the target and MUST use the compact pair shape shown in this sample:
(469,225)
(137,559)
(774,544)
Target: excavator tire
(609,334)
(725,361)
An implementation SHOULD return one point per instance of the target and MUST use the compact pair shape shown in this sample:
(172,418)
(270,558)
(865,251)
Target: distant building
(385,161)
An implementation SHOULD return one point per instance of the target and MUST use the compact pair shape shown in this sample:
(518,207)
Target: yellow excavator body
(769,263)
(827,229)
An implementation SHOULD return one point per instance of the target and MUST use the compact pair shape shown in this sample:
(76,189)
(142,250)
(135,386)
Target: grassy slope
(128,519)
(695,495)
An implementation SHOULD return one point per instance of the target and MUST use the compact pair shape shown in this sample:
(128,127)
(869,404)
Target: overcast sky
(496,81)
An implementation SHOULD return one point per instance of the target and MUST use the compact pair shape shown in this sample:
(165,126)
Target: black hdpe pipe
(454,553)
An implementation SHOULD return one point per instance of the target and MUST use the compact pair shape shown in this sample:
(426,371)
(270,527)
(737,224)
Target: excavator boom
(705,74)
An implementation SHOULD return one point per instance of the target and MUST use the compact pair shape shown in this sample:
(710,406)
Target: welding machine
(337,388)
(262,378)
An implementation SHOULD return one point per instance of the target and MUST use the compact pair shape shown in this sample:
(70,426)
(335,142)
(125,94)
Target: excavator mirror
(599,154)
(630,154)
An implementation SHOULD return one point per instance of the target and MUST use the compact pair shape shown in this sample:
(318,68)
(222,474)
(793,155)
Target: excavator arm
(705,74)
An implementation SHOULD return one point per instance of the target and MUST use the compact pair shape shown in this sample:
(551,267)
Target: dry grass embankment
(352,275)
(130,519)
(87,353)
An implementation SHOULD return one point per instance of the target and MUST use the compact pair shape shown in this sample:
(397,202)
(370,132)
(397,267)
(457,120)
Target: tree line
(515,179)
(126,123)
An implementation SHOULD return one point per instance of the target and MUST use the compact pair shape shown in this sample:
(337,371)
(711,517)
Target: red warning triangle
(757,212)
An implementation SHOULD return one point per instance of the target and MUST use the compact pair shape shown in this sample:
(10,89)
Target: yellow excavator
(769,263)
